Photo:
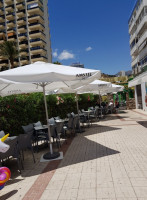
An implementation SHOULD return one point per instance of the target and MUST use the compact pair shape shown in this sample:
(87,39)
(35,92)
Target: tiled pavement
(108,161)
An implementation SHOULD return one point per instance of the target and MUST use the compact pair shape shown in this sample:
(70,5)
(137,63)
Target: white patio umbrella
(42,76)
(97,86)
(114,88)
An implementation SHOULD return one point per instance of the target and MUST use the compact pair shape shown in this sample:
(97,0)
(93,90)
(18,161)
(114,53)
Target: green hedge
(18,110)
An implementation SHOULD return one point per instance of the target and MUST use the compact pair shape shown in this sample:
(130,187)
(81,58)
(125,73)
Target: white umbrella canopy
(96,85)
(41,72)
(40,76)
(114,88)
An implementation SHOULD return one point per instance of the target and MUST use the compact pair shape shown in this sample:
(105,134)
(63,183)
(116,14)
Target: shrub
(18,110)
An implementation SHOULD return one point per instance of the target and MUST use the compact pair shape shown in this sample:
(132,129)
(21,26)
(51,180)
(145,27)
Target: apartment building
(27,23)
(138,36)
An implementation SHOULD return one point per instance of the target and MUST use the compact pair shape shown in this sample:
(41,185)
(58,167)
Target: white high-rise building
(27,23)
(138,36)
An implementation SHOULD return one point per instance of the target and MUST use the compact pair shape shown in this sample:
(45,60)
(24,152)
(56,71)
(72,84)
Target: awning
(142,78)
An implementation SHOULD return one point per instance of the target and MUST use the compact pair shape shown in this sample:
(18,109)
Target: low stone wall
(130,104)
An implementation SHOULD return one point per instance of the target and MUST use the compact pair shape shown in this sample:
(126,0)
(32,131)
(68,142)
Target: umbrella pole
(51,154)
(78,110)
(100,102)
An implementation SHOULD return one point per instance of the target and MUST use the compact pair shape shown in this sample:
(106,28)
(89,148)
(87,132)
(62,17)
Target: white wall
(143,89)
(136,99)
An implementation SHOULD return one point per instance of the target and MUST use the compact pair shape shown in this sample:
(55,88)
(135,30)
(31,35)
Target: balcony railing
(10,6)
(25,50)
(38,56)
(2,24)
(2,9)
(24,58)
(11,21)
(12,13)
(36,48)
(36,23)
(22,34)
(35,15)
(11,29)
(23,26)
(35,8)
(23,18)
(32,32)
(20,3)
(33,0)
(4,62)
(36,40)
(2,31)
(23,42)
(21,11)
(13,36)
(2,16)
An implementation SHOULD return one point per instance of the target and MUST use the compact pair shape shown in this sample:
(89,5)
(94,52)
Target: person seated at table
(103,104)
(116,103)
(98,103)
(111,106)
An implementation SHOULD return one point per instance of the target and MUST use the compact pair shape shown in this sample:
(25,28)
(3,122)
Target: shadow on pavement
(143,123)
(88,150)
(8,195)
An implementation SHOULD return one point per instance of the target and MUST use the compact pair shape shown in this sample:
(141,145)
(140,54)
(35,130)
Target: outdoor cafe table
(88,113)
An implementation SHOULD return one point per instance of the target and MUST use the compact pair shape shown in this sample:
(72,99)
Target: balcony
(8,2)
(23,44)
(21,13)
(22,36)
(35,1)
(20,5)
(24,60)
(11,31)
(37,41)
(9,8)
(36,25)
(1,40)
(34,10)
(36,34)
(10,16)
(2,33)
(38,49)
(1,11)
(134,50)
(1,3)
(3,63)
(21,21)
(136,17)
(2,26)
(11,23)
(22,29)
(38,57)
(11,37)
(34,17)
(2,18)
(24,52)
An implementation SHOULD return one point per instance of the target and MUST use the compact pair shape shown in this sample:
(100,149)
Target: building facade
(26,22)
(77,65)
(138,36)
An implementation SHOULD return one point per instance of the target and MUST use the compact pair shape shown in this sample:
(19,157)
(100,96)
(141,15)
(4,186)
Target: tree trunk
(12,63)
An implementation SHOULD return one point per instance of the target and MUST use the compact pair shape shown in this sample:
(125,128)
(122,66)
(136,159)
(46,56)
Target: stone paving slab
(107,162)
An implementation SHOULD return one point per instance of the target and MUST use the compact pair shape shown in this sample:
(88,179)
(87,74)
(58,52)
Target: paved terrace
(108,161)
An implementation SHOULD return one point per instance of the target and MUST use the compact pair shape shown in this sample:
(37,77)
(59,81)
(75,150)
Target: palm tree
(9,51)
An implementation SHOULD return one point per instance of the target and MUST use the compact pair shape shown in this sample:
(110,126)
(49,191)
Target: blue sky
(92,32)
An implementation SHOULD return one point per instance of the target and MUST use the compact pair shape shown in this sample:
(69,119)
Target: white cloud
(55,54)
(88,49)
(65,55)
